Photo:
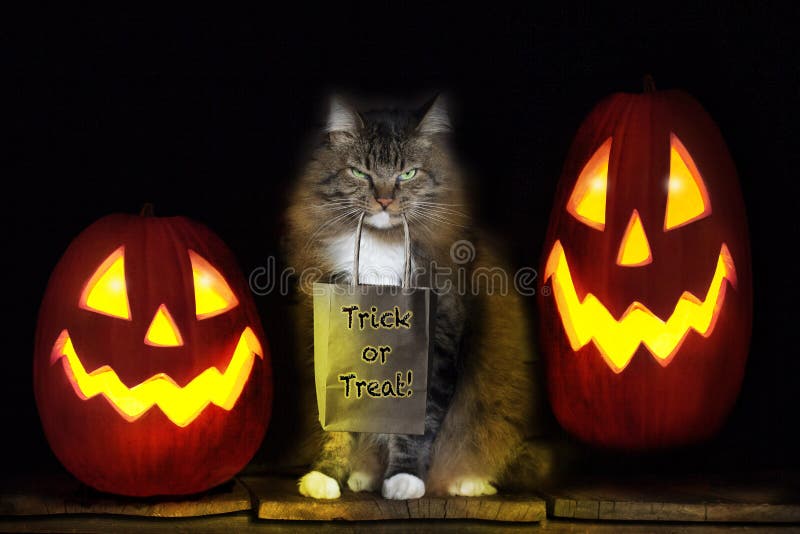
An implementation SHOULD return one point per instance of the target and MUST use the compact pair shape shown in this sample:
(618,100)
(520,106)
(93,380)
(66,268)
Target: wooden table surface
(762,502)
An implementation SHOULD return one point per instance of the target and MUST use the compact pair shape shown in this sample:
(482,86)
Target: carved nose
(634,251)
(163,332)
(384,202)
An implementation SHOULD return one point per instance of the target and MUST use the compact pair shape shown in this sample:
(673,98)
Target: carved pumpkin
(646,315)
(151,373)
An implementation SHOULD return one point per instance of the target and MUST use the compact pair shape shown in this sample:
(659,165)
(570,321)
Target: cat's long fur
(483,391)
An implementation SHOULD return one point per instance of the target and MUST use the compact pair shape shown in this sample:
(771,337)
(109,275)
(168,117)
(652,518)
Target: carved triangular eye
(212,294)
(587,203)
(687,198)
(106,291)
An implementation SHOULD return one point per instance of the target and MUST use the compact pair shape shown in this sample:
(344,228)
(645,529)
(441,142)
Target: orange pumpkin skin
(648,403)
(151,454)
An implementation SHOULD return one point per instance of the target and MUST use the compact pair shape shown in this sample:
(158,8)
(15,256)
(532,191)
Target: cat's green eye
(407,175)
(358,174)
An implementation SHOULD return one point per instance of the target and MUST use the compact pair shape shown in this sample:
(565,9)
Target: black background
(205,115)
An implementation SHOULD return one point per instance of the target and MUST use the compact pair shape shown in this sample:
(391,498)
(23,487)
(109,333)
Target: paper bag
(372,353)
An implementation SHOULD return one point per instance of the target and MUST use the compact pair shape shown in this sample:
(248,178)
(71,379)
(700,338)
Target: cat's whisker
(333,204)
(436,203)
(336,204)
(432,217)
(425,210)
(339,217)
(415,220)
(438,209)
(445,214)
(441,210)
(445,221)
(439,218)
(329,222)
(335,209)
(334,200)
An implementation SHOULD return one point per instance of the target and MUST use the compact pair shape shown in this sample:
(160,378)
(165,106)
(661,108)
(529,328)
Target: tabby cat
(385,164)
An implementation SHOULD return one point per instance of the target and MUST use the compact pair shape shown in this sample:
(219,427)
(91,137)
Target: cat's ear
(343,121)
(435,118)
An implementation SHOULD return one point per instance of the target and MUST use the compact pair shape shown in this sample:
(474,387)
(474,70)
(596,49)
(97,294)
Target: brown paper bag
(372,369)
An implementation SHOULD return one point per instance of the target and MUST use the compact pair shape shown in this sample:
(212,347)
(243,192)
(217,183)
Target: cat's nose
(384,201)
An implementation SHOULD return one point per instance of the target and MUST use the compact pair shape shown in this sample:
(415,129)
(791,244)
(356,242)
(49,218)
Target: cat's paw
(318,486)
(403,486)
(362,481)
(471,487)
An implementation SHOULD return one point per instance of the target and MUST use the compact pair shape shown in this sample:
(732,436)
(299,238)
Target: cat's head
(386,164)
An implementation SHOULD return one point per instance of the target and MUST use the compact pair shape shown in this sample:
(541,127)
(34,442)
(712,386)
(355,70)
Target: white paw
(403,486)
(318,486)
(362,481)
(471,487)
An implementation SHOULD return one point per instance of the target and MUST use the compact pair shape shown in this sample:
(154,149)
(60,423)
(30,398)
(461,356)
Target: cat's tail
(540,463)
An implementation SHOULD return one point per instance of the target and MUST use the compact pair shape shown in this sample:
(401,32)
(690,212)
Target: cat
(482,389)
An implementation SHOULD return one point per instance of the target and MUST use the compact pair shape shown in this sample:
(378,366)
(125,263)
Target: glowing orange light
(212,294)
(687,198)
(634,251)
(163,332)
(106,291)
(587,203)
(181,405)
(617,340)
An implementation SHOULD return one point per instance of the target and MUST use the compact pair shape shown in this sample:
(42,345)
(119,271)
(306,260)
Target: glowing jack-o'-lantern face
(106,293)
(155,381)
(587,319)
(647,260)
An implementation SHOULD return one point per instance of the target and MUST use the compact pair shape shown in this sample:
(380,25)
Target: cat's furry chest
(381,261)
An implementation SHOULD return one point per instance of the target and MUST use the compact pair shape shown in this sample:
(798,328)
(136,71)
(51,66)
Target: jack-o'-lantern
(646,311)
(151,372)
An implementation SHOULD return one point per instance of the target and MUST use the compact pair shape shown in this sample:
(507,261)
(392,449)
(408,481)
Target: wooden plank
(752,498)
(753,513)
(651,511)
(245,523)
(65,495)
(278,498)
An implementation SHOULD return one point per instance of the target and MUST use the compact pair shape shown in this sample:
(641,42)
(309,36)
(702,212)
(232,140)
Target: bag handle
(406,282)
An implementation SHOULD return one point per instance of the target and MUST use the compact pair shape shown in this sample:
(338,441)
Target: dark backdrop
(205,116)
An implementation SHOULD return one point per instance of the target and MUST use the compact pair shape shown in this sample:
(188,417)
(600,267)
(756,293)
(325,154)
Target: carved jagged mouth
(617,340)
(181,405)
